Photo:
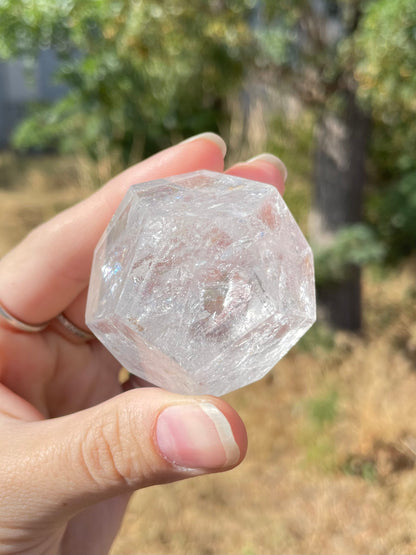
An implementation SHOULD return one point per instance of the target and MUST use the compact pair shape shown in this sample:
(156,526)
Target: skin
(75,443)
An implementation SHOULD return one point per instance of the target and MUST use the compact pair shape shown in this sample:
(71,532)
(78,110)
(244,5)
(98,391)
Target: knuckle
(109,453)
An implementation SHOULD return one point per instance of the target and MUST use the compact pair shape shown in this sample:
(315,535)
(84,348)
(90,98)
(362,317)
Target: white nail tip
(213,137)
(225,433)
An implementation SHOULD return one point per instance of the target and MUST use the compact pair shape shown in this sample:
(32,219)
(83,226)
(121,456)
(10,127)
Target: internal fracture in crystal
(201,282)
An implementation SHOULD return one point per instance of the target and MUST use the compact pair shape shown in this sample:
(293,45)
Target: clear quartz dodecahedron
(201,282)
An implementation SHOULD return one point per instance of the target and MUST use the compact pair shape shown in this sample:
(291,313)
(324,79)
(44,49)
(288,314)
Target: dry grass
(34,189)
(330,467)
(331,457)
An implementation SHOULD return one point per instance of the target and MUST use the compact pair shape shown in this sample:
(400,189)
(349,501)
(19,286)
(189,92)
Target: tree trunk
(339,176)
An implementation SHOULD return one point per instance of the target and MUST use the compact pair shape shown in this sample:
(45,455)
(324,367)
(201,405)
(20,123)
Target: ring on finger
(19,324)
(36,328)
(72,328)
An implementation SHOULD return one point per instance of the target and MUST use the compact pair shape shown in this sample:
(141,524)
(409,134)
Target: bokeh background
(88,87)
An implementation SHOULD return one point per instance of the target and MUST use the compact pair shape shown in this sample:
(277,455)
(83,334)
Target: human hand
(74,442)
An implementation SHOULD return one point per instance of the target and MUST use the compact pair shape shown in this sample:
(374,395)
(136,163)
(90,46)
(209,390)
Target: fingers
(15,406)
(50,268)
(139,438)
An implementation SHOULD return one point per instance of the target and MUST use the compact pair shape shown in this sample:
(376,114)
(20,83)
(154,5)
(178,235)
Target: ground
(332,429)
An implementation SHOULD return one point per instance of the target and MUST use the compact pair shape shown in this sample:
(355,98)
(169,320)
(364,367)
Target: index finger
(42,275)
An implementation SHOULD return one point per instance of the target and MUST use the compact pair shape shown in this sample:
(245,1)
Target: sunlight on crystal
(201,283)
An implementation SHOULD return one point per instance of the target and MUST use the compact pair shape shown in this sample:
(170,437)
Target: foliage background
(134,69)
(143,75)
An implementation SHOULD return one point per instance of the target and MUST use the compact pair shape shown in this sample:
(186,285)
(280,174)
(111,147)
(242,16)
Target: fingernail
(213,137)
(196,436)
(271,159)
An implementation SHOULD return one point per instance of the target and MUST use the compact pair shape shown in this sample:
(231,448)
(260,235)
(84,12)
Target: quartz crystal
(201,282)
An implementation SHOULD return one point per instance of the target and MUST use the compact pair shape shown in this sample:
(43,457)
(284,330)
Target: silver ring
(34,328)
(18,324)
(68,325)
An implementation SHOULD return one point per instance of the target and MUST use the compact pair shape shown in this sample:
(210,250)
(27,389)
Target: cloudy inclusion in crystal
(201,282)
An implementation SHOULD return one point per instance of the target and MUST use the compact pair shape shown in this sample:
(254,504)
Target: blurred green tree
(385,50)
(140,74)
(349,59)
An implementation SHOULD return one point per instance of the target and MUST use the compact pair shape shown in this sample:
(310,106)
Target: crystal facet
(201,282)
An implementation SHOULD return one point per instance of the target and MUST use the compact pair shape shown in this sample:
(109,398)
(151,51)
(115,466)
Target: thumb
(139,438)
